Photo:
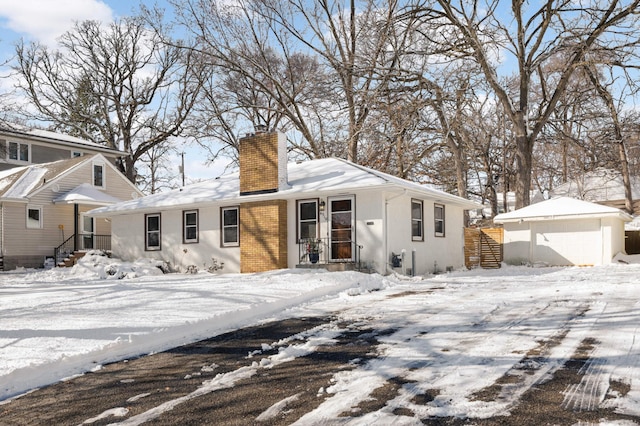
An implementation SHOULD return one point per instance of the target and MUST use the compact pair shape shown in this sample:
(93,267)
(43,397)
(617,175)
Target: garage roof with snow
(561,208)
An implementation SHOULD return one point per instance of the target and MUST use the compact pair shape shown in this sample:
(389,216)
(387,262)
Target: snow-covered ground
(451,336)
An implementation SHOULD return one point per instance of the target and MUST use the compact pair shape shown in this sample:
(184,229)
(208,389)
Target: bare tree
(530,34)
(117,85)
(158,173)
(316,61)
(604,91)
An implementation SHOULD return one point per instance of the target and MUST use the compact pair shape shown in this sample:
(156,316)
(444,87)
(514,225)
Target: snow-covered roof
(329,175)
(54,137)
(560,208)
(19,182)
(597,186)
(86,194)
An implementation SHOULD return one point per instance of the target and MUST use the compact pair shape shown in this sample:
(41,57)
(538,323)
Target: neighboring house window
(438,214)
(190,221)
(230,226)
(152,231)
(98,175)
(18,151)
(307,219)
(75,154)
(34,217)
(417,221)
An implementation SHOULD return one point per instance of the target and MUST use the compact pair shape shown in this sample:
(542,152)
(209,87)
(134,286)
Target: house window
(152,231)
(438,214)
(18,151)
(307,219)
(230,226)
(98,175)
(34,217)
(75,154)
(190,221)
(417,221)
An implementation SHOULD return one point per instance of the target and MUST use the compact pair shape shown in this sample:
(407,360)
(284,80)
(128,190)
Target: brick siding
(263,236)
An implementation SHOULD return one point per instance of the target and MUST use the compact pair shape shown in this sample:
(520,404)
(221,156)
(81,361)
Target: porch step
(68,262)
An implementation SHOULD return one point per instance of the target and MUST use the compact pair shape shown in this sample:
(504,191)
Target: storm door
(88,230)
(342,228)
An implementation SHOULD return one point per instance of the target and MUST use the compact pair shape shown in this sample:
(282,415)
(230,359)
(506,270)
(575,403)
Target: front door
(342,227)
(88,229)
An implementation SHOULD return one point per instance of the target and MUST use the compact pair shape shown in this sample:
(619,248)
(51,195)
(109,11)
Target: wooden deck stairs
(72,259)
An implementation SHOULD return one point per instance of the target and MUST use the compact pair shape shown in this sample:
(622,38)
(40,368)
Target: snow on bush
(97,263)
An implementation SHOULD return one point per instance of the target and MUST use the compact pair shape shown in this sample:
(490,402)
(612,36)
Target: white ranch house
(274,214)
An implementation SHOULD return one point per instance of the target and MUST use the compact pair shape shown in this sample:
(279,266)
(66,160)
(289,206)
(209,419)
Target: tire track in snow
(590,392)
(537,368)
(598,384)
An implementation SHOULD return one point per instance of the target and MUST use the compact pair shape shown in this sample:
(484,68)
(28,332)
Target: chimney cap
(260,128)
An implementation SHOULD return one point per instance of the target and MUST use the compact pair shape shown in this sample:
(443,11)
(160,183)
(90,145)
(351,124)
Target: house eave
(292,194)
(624,216)
(14,200)
(59,141)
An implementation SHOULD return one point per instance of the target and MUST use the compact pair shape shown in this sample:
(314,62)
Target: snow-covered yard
(474,341)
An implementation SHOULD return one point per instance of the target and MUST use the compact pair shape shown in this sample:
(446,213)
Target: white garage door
(568,242)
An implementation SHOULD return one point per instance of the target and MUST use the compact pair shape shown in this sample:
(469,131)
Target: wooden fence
(483,247)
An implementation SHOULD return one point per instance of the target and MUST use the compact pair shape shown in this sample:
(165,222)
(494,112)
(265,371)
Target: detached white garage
(563,231)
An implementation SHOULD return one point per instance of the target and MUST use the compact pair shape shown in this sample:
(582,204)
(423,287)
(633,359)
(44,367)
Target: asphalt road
(142,384)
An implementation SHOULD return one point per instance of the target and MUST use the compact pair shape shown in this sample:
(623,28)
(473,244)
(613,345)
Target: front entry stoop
(73,258)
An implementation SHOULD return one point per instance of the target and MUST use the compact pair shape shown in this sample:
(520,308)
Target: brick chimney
(263,224)
(263,162)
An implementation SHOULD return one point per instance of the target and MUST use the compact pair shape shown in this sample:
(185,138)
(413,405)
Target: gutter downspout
(386,229)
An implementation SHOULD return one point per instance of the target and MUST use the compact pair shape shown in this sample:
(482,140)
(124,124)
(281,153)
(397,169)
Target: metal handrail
(97,242)
(308,246)
(63,251)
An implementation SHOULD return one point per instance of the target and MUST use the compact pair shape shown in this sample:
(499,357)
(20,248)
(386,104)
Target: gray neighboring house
(22,146)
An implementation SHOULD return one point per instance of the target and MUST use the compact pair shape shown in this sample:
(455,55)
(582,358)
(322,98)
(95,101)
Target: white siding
(517,243)
(128,241)
(567,242)
(434,254)
(613,238)
(372,215)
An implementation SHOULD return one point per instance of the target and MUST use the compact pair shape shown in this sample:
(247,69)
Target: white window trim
(18,160)
(421,220)
(184,226)
(443,220)
(300,221)
(104,175)
(222,227)
(39,208)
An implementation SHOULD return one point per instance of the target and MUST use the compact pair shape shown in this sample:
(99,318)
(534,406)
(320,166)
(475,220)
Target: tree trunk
(524,165)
